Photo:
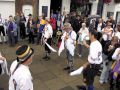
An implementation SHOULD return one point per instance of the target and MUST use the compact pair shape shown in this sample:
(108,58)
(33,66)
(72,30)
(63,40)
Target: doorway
(56,5)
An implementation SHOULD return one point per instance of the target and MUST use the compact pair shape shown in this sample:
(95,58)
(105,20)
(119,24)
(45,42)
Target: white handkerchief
(77,72)
(61,47)
(52,49)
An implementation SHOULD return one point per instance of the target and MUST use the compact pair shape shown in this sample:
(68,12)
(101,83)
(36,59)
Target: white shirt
(115,55)
(69,43)
(107,35)
(1,21)
(84,33)
(99,27)
(95,53)
(48,31)
(117,34)
(21,76)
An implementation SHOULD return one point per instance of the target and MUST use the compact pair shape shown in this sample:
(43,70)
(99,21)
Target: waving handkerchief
(52,49)
(61,47)
(77,72)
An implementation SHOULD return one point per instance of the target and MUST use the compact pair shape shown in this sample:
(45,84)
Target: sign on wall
(110,14)
(45,10)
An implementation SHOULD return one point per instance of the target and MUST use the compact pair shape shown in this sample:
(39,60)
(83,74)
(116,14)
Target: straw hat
(67,26)
(24,52)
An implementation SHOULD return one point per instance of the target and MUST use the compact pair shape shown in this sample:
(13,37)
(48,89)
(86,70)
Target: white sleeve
(74,36)
(63,36)
(26,84)
(0,54)
(87,31)
(80,31)
(50,30)
(115,55)
(1,61)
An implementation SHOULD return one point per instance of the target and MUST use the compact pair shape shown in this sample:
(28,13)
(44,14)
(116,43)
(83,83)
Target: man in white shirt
(69,37)
(20,76)
(3,65)
(2,30)
(91,68)
(48,32)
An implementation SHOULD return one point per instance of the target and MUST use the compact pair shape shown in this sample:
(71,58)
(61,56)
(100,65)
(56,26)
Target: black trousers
(31,37)
(2,30)
(0,69)
(46,47)
(39,37)
(114,83)
(89,73)
(22,30)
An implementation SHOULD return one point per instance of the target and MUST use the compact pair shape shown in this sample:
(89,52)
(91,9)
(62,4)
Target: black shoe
(66,68)
(1,43)
(37,43)
(5,42)
(71,70)
(45,57)
(48,58)
(81,87)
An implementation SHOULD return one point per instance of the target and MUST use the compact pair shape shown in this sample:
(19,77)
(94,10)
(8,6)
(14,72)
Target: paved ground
(48,75)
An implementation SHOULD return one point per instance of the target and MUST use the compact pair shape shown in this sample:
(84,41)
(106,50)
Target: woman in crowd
(22,26)
(107,32)
(108,51)
(115,72)
(30,28)
(11,31)
(82,34)
(117,31)
(40,27)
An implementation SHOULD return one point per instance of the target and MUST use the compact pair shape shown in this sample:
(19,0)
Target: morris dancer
(48,32)
(20,75)
(2,30)
(91,68)
(3,65)
(69,38)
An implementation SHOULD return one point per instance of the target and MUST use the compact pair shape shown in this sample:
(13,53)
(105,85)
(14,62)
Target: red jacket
(53,23)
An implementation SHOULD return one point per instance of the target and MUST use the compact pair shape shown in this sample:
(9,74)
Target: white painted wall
(7,0)
(44,3)
(112,7)
(94,7)
(27,9)
(7,8)
(66,6)
(108,8)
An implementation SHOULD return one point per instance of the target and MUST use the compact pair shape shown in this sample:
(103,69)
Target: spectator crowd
(66,31)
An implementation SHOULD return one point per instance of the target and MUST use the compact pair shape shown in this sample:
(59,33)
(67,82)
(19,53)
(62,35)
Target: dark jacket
(110,53)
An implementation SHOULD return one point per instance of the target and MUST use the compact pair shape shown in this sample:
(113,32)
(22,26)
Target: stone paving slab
(48,75)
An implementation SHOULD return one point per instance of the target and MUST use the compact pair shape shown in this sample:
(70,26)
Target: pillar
(94,7)
(66,6)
